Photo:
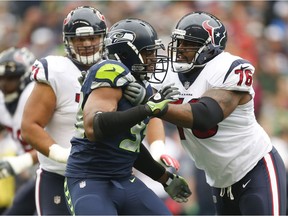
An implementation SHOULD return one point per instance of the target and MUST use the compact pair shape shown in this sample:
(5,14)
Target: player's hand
(177,188)
(5,169)
(169,161)
(135,93)
(14,165)
(157,105)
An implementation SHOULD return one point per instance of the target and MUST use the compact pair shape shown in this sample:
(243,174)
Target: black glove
(6,169)
(157,105)
(177,188)
(135,93)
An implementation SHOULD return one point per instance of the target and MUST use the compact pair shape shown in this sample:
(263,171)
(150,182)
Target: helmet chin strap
(11,97)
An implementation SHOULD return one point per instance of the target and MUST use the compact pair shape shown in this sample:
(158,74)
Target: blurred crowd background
(257,31)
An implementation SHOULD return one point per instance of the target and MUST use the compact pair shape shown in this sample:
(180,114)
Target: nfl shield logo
(57,199)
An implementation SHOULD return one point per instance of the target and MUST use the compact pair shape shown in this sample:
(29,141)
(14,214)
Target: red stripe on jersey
(273,184)
(36,69)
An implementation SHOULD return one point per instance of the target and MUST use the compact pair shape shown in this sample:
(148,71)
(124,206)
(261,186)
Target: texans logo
(214,32)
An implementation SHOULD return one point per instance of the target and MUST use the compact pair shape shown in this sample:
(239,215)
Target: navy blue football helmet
(15,64)
(84,21)
(204,31)
(132,41)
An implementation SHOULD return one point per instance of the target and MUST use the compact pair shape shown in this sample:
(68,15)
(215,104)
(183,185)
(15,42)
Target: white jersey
(229,151)
(62,75)
(13,122)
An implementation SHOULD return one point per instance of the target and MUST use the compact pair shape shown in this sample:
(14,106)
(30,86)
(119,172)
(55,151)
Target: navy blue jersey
(112,157)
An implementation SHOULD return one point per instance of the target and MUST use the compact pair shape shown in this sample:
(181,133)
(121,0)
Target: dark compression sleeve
(147,165)
(207,113)
(111,123)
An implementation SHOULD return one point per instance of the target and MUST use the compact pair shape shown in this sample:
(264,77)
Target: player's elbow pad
(207,113)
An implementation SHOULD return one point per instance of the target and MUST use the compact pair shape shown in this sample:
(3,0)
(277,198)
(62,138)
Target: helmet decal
(214,32)
(67,19)
(209,29)
(122,36)
(101,16)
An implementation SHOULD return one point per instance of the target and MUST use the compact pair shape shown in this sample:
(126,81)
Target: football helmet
(15,63)
(135,43)
(204,32)
(84,21)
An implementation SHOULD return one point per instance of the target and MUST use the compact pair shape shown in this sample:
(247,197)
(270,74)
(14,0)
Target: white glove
(157,150)
(58,153)
(10,166)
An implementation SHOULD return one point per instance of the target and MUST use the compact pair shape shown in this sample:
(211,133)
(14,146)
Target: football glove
(5,169)
(177,188)
(10,166)
(135,93)
(157,104)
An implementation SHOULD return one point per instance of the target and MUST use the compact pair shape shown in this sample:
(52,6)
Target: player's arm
(155,133)
(14,165)
(107,100)
(38,111)
(214,106)
(174,185)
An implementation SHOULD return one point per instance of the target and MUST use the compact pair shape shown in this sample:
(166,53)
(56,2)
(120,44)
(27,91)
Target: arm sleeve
(112,123)
(147,165)
(207,113)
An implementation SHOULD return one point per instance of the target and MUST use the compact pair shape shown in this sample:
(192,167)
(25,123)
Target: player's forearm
(37,137)
(180,115)
(147,165)
(41,141)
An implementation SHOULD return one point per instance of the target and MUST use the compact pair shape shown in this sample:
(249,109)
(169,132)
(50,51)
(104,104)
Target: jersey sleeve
(239,77)
(40,71)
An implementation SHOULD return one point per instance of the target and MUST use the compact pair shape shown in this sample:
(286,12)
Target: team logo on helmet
(214,32)
(122,36)
(67,19)
(100,16)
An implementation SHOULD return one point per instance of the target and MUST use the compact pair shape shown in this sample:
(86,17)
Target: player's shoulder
(48,68)
(231,72)
(109,66)
(232,61)
(110,73)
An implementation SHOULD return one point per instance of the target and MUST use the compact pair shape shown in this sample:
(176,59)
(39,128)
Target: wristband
(169,180)
(58,153)
(157,148)
(20,163)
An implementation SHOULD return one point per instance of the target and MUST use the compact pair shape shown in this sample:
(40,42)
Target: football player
(50,113)
(15,86)
(107,143)
(216,120)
